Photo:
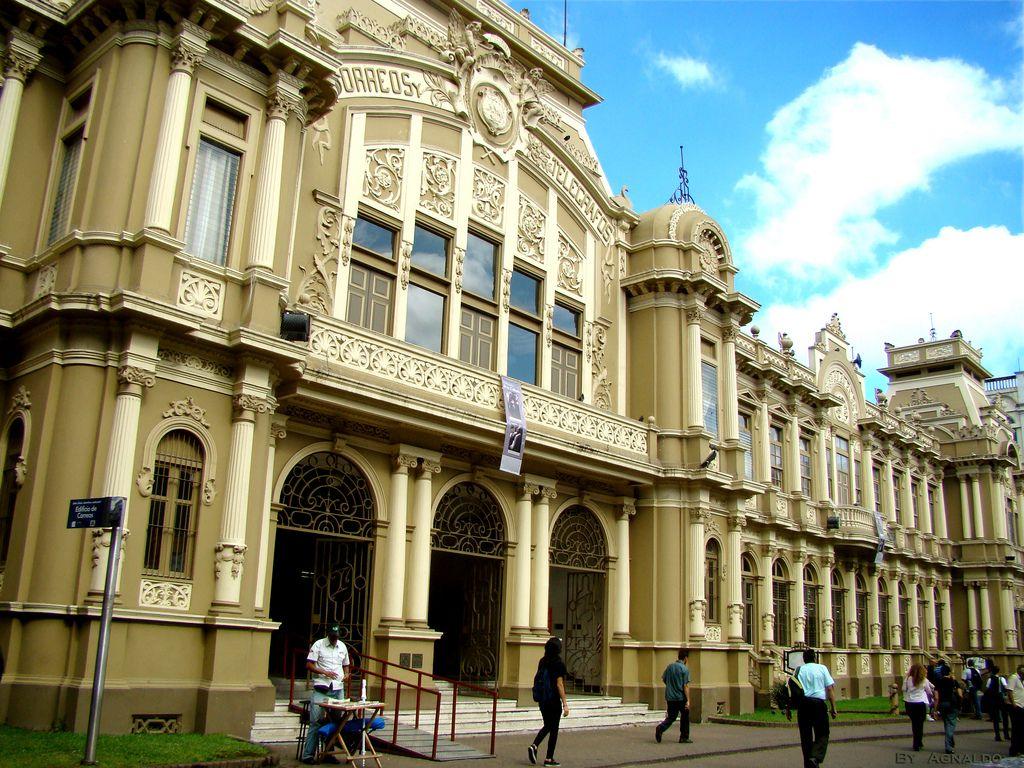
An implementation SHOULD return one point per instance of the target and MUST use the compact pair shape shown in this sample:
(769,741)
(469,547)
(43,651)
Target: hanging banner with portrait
(515,427)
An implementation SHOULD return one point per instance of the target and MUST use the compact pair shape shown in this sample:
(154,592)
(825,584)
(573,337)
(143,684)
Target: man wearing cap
(328,662)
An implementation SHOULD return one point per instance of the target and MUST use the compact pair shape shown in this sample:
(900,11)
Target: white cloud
(872,130)
(969,280)
(687,71)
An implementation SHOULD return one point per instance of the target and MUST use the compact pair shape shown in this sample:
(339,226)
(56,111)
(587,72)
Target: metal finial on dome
(682,194)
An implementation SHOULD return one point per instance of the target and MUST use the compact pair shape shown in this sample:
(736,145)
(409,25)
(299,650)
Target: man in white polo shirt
(328,662)
(811,716)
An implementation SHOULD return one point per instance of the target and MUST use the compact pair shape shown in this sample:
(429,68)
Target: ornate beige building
(417,178)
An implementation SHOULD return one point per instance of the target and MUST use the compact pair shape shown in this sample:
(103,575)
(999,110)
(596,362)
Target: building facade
(417,178)
(1008,393)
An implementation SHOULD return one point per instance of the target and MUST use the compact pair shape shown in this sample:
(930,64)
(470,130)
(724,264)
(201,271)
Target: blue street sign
(102,512)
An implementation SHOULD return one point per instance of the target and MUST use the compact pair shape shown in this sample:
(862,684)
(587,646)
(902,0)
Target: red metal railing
(359,672)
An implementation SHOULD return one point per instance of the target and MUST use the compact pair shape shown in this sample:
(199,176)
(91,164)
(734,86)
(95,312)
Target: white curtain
(212,203)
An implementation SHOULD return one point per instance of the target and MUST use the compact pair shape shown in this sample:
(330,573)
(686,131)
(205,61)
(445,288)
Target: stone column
(999,521)
(874,614)
(394,553)
(889,490)
(729,407)
(622,581)
(284,98)
(913,615)
(1007,618)
(985,609)
(117,476)
(524,515)
(973,627)
(799,614)
(965,508)
(22,58)
(694,383)
(822,470)
(229,554)
(417,577)
(828,629)
(927,526)
(868,480)
(695,555)
(767,598)
(907,496)
(979,527)
(850,581)
(941,530)
(278,431)
(541,559)
(190,47)
(1020,516)
(764,463)
(895,627)
(934,629)
(947,615)
(734,570)
(794,450)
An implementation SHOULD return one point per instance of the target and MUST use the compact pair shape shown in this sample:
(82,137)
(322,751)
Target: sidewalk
(634,745)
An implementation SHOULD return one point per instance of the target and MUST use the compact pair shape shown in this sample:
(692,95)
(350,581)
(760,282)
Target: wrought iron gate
(478,659)
(341,587)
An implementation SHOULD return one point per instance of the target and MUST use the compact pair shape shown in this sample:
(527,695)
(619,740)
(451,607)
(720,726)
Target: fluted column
(851,628)
(973,627)
(417,577)
(394,554)
(229,554)
(622,565)
(907,497)
(284,98)
(730,401)
(822,462)
(895,626)
(965,508)
(695,572)
(695,390)
(734,571)
(978,510)
(999,521)
(189,48)
(927,525)
(764,463)
(794,450)
(278,431)
(914,616)
(799,615)
(932,617)
(117,476)
(947,615)
(890,491)
(867,469)
(985,609)
(828,628)
(541,559)
(767,601)
(941,529)
(874,614)
(21,59)
(524,518)
(1006,616)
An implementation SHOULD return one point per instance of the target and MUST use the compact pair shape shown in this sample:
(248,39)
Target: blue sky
(862,157)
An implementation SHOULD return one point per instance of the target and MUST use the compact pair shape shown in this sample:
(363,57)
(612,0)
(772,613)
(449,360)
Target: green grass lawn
(46,749)
(868,704)
(849,709)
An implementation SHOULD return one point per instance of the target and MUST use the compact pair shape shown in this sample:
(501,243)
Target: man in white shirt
(811,716)
(1015,693)
(328,662)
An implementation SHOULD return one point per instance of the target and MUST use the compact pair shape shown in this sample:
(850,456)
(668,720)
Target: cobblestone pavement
(729,745)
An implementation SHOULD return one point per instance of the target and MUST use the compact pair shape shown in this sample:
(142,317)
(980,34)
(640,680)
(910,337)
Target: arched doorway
(579,567)
(323,557)
(467,567)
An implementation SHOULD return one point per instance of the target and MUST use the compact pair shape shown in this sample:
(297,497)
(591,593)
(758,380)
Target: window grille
(174,506)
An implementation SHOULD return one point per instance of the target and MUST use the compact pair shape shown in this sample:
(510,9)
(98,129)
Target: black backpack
(543,690)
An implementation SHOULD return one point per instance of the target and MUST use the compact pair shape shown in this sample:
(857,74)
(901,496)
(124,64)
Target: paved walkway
(723,745)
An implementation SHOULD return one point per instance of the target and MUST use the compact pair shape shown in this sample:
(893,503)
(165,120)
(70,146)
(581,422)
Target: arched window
(749,584)
(712,563)
(939,609)
(811,592)
(9,485)
(903,604)
(780,602)
(883,612)
(922,616)
(862,611)
(838,609)
(174,505)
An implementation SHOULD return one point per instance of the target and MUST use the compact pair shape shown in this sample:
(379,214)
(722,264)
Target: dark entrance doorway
(579,565)
(467,584)
(323,558)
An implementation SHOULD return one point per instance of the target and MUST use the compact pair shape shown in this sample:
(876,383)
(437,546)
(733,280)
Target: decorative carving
(383,179)
(227,554)
(129,374)
(768,623)
(602,385)
(532,225)
(165,594)
(946,350)
(886,664)
(713,633)
(404,262)
(698,611)
(608,272)
(437,189)
(694,315)
(841,664)
(920,397)
(865,664)
(186,55)
(391,36)
(348,225)
(316,292)
(677,214)
(570,262)
(187,407)
(488,196)
(549,319)
(201,293)
(577,541)
(460,262)
(320,135)
(834,327)
(20,471)
(254,404)
(144,482)
(46,279)
(907,357)
(188,360)
(710,251)
(209,492)
(280,105)
(20,401)
(506,289)
(837,381)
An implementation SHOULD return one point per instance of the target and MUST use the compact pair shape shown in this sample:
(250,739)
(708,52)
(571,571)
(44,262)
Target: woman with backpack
(549,693)
(950,695)
(918,694)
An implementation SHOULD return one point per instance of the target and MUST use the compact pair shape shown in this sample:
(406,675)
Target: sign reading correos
(101,512)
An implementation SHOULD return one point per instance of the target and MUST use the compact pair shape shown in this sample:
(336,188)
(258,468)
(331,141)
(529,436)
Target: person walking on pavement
(918,694)
(950,694)
(549,693)
(677,694)
(812,712)
(995,694)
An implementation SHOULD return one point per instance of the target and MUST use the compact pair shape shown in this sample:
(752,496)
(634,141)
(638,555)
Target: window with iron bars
(174,506)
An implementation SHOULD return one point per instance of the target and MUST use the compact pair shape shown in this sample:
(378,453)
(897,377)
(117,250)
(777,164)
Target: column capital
(547,493)
(278,428)
(627,508)
(23,54)
(132,379)
(189,47)
(429,467)
(694,315)
(284,96)
(730,332)
(738,521)
(528,490)
(405,462)
(246,406)
(700,516)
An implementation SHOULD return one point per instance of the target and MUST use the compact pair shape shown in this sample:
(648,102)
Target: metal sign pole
(102,648)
